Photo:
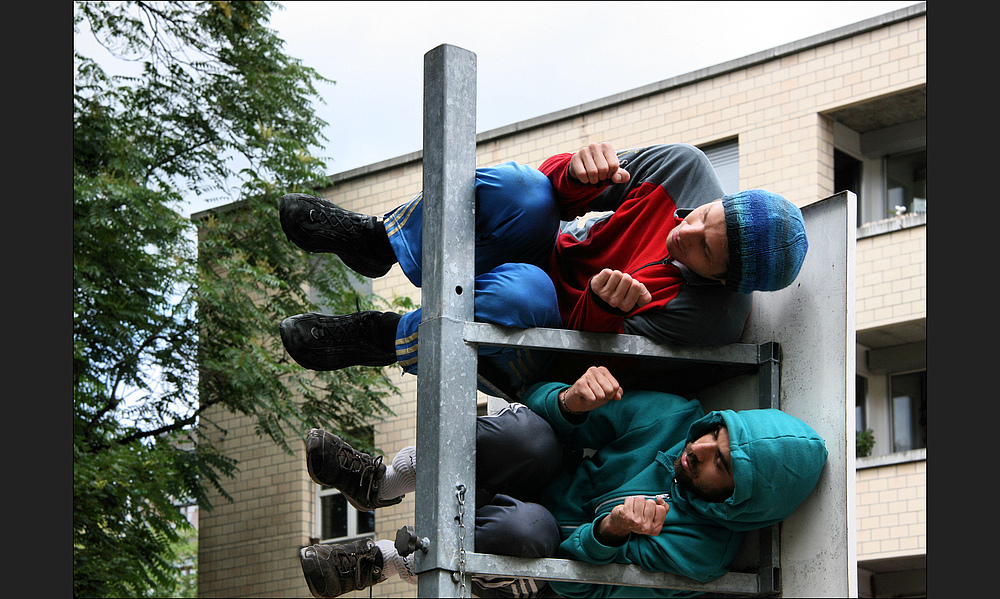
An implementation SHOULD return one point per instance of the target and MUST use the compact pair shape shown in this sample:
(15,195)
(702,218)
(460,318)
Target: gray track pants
(516,452)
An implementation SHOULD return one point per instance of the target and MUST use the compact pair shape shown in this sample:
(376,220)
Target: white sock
(392,563)
(401,475)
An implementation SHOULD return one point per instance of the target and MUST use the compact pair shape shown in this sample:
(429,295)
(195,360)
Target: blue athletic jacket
(776,461)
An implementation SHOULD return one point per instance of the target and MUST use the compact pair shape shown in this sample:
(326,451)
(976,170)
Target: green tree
(164,335)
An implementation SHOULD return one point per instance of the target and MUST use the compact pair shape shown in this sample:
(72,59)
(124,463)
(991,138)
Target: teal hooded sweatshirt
(776,462)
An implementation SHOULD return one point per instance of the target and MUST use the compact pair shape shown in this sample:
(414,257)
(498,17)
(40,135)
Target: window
(908,407)
(906,183)
(725,159)
(339,520)
(860,394)
(847,176)
(880,154)
(336,519)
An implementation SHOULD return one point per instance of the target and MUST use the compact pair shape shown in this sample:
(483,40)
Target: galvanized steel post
(446,389)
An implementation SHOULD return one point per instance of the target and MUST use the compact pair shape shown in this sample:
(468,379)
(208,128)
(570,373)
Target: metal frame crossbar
(448,370)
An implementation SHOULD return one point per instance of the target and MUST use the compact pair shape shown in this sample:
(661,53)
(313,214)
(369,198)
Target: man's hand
(636,515)
(592,390)
(597,163)
(620,290)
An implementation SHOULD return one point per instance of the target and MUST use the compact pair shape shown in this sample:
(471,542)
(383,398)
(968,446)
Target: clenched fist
(635,515)
(620,290)
(597,163)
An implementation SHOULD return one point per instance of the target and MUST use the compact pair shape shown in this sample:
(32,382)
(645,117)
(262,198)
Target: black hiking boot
(334,463)
(332,570)
(317,225)
(324,342)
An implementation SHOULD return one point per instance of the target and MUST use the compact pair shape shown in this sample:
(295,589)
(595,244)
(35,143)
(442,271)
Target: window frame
(352,515)
(860,403)
(725,158)
(871,149)
(887,205)
(891,398)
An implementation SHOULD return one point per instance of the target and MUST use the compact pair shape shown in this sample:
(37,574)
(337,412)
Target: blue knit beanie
(767,241)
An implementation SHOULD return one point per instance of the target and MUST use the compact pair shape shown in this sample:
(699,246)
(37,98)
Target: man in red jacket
(641,242)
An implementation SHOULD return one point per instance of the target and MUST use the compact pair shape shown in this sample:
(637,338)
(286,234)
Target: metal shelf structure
(446,410)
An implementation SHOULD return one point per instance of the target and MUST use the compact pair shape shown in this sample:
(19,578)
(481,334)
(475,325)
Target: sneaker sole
(322,435)
(310,566)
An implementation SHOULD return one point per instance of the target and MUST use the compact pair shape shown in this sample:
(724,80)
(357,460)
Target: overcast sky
(532,58)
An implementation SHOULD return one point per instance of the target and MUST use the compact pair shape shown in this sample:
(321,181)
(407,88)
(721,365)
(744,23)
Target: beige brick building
(841,110)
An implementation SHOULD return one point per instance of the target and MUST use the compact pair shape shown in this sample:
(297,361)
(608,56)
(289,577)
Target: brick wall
(249,548)
(892,510)
(891,284)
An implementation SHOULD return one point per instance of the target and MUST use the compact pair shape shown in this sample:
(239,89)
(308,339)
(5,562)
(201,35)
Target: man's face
(705,467)
(699,241)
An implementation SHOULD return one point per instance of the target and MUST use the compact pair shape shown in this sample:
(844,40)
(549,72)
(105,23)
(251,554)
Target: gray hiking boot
(332,462)
(332,570)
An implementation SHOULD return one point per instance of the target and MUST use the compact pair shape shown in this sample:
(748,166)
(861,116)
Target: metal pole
(446,388)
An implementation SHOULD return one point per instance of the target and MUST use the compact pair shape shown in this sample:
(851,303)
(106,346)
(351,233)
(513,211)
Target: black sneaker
(334,463)
(317,225)
(324,342)
(332,570)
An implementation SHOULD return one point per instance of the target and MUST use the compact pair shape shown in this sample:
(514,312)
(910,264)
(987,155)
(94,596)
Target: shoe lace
(364,465)
(340,220)
(341,328)
(359,565)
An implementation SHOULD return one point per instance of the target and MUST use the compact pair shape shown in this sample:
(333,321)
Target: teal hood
(776,461)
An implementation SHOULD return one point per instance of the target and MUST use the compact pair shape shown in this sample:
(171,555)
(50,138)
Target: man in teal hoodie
(591,473)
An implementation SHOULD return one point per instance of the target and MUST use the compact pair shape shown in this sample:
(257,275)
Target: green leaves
(864,443)
(124,520)
(167,334)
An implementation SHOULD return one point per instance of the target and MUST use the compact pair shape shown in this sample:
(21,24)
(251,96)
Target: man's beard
(684,479)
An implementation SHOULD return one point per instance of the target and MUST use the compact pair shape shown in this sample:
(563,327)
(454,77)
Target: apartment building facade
(844,110)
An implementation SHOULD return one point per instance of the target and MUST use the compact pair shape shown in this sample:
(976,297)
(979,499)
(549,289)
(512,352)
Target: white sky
(532,58)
